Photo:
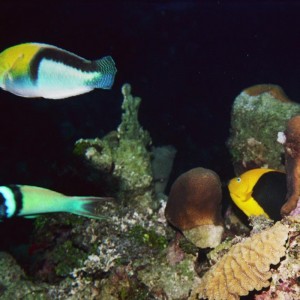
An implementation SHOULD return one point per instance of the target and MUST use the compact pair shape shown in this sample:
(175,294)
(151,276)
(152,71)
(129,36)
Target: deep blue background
(187,60)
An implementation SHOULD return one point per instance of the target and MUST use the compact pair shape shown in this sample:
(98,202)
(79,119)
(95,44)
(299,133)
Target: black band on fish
(270,192)
(3,208)
(66,58)
(18,198)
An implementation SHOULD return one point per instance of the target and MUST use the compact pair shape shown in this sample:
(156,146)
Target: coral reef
(261,106)
(285,279)
(116,258)
(122,156)
(292,164)
(14,283)
(128,262)
(173,281)
(194,207)
(245,267)
(132,253)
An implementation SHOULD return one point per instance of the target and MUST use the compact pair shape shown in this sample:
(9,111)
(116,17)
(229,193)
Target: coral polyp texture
(245,267)
(285,280)
(261,106)
(292,164)
(194,207)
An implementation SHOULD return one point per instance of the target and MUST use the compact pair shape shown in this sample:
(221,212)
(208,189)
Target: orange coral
(275,90)
(292,164)
(245,267)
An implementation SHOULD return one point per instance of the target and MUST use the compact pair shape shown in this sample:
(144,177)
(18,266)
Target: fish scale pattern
(245,267)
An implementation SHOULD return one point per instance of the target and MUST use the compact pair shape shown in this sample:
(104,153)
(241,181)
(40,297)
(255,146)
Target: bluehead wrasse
(31,201)
(41,70)
(259,192)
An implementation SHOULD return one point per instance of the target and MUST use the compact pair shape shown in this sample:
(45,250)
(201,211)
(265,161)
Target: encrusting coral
(261,106)
(292,164)
(285,279)
(14,284)
(245,267)
(194,207)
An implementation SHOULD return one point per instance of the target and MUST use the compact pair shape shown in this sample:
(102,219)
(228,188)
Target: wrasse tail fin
(106,66)
(86,206)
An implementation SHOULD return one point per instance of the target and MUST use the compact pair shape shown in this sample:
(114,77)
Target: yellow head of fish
(14,62)
(241,191)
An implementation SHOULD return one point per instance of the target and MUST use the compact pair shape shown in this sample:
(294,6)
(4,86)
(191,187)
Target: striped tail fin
(87,206)
(107,70)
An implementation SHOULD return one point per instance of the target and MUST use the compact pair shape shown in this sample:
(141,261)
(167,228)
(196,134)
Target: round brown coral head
(194,207)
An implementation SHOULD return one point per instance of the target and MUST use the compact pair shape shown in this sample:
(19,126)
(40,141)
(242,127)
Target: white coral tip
(281,138)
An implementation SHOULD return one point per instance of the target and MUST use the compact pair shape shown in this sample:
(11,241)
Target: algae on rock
(258,114)
(14,283)
(122,155)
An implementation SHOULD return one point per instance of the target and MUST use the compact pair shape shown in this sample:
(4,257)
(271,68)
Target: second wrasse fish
(31,201)
(259,192)
(41,70)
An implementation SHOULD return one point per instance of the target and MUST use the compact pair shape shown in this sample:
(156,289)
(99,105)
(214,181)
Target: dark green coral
(66,257)
(123,155)
(148,237)
(255,123)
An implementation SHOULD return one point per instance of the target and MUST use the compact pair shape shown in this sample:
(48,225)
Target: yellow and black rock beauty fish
(259,192)
(31,201)
(41,70)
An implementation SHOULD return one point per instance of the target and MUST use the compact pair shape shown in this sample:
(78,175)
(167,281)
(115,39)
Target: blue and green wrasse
(41,70)
(31,201)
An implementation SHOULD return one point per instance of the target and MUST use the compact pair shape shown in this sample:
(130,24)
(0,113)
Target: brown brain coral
(194,207)
(245,267)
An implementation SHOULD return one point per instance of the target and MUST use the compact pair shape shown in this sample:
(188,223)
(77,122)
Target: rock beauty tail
(86,206)
(107,72)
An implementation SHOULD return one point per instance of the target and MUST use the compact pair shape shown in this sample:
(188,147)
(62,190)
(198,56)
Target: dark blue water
(187,60)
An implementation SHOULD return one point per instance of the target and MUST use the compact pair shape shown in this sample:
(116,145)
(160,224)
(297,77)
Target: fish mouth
(236,197)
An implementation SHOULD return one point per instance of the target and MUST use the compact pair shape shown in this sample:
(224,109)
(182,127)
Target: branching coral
(122,156)
(245,267)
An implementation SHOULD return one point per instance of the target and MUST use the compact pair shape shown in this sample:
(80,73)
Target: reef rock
(291,143)
(14,284)
(258,114)
(122,156)
(162,164)
(285,280)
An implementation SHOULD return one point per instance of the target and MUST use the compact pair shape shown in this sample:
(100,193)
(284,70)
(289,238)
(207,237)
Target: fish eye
(239,179)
